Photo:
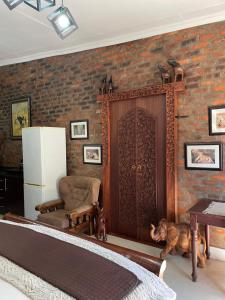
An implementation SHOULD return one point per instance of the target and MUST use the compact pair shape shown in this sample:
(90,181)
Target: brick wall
(64,88)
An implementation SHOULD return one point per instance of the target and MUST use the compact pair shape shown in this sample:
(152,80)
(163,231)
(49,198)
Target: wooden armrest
(49,205)
(75,213)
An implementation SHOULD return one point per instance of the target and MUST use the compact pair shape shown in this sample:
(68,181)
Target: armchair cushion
(56,218)
(77,191)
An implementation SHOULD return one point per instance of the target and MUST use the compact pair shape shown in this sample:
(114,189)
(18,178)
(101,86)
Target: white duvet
(151,288)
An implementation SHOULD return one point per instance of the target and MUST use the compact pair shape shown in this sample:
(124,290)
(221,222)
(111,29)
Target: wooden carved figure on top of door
(139,150)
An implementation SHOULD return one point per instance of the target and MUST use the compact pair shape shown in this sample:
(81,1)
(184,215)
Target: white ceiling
(26,34)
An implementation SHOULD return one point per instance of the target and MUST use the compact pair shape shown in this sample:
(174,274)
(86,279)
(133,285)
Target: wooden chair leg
(91,226)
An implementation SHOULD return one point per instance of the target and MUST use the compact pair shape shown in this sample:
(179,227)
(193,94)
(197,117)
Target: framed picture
(79,130)
(203,156)
(20,117)
(216,120)
(92,154)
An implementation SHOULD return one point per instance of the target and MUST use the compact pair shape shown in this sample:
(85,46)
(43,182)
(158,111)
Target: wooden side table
(197,216)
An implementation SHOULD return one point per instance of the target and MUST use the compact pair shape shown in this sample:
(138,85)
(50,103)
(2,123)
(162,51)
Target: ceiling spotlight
(12,3)
(40,4)
(63,22)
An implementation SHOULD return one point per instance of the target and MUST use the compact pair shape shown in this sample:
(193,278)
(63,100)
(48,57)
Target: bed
(26,285)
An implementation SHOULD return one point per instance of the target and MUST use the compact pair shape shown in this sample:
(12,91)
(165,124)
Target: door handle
(133,167)
(139,168)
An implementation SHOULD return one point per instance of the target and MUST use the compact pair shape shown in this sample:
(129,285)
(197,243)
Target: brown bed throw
(76,271)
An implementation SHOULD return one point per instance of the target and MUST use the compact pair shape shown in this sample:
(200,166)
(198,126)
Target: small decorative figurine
(103,88)
(100,231)
(165,75)
(178,238)
(178,70)
(110,87)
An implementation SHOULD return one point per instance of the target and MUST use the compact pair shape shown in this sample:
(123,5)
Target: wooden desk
(197,216)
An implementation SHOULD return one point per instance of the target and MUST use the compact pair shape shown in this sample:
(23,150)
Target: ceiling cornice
(120,39)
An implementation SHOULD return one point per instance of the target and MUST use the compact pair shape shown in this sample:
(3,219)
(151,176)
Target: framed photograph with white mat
(203,156)
(79,130)
(216,120)
(92,154)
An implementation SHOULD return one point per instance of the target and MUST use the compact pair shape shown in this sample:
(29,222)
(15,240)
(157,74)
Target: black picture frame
(20,116)
(95,150)
(216,115)
(204,156)
(79,125)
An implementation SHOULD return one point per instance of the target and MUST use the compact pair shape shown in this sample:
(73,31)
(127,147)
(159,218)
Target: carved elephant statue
(178,238)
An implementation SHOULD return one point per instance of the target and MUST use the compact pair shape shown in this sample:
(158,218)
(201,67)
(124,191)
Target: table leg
(207,241)
(194,237)
(194,240)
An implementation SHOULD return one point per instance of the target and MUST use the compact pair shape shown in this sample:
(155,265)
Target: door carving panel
(133,177)
(127,175)
(146,172)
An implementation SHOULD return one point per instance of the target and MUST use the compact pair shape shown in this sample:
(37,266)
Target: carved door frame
(170,90)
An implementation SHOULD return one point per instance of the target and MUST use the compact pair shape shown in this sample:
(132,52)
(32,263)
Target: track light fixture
(63,22)
(40,4)
(12,3)
(61,19)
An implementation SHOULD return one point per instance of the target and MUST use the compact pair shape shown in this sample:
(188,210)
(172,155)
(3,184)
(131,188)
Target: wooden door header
(143,92)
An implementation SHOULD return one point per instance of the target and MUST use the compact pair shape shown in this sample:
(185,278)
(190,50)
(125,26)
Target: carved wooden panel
(136,174)
(146,169)
(127,171)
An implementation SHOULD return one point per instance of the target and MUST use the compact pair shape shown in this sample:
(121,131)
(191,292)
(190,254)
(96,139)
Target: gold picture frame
(20,116)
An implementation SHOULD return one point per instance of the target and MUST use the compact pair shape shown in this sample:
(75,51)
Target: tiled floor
(211,279)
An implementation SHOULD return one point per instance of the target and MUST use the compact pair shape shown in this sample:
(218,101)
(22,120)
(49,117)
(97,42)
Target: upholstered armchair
(76,207)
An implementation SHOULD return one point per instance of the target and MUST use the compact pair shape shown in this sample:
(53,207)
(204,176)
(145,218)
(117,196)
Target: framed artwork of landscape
(216,120)
(20,117)
(203,156)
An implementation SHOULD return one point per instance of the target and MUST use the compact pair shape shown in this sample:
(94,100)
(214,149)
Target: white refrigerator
(44,163)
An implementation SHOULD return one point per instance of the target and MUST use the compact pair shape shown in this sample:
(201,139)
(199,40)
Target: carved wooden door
(137,168)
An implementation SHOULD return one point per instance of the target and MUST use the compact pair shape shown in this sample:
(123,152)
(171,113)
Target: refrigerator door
(32,155)
(44,155)
(33,195)
(44,164)
(53,155)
